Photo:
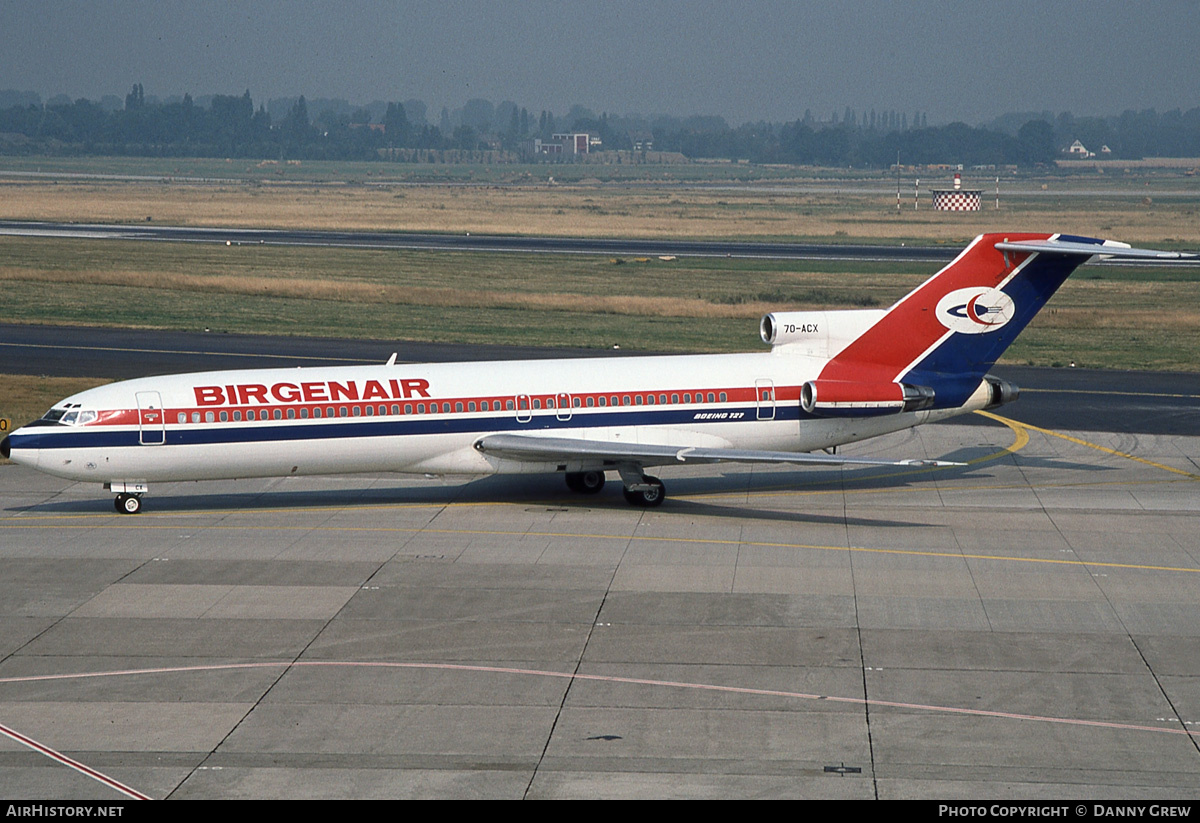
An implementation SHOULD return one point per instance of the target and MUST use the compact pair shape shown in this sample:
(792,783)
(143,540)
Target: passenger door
(764,397)
(152,429)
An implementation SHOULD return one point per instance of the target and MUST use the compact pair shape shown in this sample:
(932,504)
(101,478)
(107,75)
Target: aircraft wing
(553,449)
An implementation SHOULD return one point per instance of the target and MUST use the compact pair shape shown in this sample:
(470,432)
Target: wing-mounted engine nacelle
(842,398)
(1001,391)
(816,333)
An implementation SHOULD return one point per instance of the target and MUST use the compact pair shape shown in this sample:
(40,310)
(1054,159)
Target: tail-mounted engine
(816,333)
(1000,391)
(842,398)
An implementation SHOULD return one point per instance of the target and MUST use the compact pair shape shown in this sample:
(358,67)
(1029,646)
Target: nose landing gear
(129,495)
(128,503)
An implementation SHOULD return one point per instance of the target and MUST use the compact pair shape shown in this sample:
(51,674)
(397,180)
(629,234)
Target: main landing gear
(639,489)
(647,493)
(128,503)
(585,482)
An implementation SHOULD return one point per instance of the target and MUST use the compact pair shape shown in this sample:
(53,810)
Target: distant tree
(1036,142)
(478,114)
(395,125)
(465,138)
(136,98)
(416,111)
(296,127)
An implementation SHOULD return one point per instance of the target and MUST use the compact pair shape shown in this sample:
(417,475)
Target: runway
(478,242)
(1025,627)
(469,242)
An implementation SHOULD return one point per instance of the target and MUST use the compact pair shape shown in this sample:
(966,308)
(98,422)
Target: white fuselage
(427,417)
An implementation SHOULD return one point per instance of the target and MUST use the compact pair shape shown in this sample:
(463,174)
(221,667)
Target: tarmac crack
(862,662)
(285,668)
(579,662)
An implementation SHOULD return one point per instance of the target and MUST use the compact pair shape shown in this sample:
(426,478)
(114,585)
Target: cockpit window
(70,416)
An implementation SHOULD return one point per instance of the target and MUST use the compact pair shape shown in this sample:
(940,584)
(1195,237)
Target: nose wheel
(128,503)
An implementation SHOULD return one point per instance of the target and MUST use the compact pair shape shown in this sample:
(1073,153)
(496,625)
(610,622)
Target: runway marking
(636,681)
(707,541)
(1090,445)
(59,757)
(1020,441)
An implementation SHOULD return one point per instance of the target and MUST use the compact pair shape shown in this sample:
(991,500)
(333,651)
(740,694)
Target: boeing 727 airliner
(830,378)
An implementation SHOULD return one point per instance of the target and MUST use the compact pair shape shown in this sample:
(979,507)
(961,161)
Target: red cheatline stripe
(129,417)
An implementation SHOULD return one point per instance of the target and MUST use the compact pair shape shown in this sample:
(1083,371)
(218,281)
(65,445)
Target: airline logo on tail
(975,310)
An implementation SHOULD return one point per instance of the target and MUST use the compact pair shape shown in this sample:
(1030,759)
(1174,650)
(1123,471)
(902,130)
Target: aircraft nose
(4,449)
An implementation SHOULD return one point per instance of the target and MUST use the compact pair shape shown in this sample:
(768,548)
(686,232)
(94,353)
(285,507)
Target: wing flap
(556,449)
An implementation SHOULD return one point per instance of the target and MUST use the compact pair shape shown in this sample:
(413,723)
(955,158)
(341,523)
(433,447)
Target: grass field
(690,304)
(1105,316)
(692,201)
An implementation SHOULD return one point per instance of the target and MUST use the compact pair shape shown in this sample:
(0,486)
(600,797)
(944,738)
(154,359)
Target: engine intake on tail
(816,333)
(841,398)
(1001,391)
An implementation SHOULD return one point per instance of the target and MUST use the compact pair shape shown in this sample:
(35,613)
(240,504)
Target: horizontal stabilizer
(555,449)
(1089,249)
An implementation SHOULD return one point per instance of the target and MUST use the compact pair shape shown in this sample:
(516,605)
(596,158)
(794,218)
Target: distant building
(560,145)
(538,148)
(1077,149)
(641,140)
(577,143)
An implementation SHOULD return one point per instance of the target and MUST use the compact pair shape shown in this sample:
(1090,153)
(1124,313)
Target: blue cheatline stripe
(415,425)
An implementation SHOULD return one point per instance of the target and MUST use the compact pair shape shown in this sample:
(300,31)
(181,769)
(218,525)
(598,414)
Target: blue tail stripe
(953,370)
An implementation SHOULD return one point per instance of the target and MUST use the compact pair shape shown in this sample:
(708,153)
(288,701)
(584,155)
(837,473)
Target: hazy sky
(745,60)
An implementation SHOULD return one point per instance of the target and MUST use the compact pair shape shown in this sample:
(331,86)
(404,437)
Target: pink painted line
(1070,721)
(59,757)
